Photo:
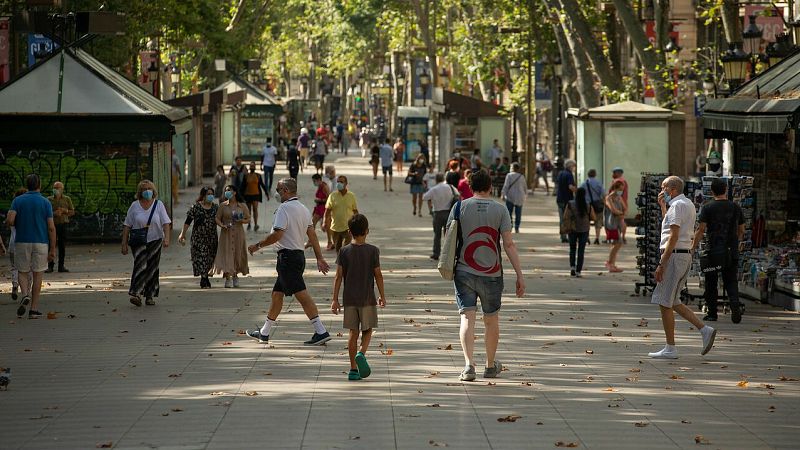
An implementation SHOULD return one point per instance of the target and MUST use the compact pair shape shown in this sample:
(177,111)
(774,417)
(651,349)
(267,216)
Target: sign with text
(39,46)
(769,19)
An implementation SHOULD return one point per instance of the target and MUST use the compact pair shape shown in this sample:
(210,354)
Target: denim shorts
(470,287)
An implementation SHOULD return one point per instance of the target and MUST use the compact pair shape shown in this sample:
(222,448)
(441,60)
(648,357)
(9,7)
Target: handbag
(410,179)
(568,224)
(138,236)
(451,246)
(455,196)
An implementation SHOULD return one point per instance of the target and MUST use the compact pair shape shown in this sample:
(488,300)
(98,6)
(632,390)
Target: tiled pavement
(180,376)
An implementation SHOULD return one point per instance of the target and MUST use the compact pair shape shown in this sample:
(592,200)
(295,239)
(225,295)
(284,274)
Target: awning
(759,124)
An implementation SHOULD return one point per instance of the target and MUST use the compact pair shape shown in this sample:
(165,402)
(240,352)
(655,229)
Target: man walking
(290,229)
(238,172)
(268,159)
(595,199)
(341,206)
(32,216)
(722,223)
(616,174)
(440,198)
(676,259)
(386,152)
(479,273)
(62,211)
(565,191)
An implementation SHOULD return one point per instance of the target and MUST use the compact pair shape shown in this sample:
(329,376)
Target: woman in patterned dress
(231,257)
(204,235)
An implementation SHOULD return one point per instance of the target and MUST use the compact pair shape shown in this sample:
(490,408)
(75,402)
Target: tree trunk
(584,82)
(568,74)
(577,26)
(467,14)
(661,16)
(654,63)
(730,21)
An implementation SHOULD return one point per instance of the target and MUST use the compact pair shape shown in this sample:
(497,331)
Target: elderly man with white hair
(677,229)
(565,192)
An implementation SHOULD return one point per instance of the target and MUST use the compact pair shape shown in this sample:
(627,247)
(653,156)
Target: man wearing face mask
(341,206)
(291,228)
(677,229)
(62,211)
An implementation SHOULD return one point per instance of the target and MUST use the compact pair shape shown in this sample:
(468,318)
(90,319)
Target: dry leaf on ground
(640,424)
(251,393)
(742,384)
(566,444)
(433,443)
(590,352)
(699,439)
(217,393)
(784,378)
(433,405)
(108,444)
(511,418)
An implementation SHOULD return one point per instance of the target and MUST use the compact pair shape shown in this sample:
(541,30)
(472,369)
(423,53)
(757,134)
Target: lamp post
(734,63)
(424,81)
(752,36)
(795,27)
(779,49)
(152,77)
(514,71)
(557,71)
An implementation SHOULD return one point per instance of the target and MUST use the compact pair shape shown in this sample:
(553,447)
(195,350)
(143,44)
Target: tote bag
(451,246)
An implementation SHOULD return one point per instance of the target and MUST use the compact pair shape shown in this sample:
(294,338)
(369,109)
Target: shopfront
(755,130)
(414,125)
(259,117)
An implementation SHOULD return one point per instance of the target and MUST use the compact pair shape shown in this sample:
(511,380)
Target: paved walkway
(181,376)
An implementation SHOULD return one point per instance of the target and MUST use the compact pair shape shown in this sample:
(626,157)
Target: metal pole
(529,138)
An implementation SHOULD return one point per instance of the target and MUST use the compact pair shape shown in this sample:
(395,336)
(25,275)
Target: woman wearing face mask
(254,189)
(417,172)
(320,198)
(204,235)
(615,206)
(146,212)
(231,257)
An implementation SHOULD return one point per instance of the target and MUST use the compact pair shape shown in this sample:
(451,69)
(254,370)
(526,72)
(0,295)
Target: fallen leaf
(433,405)
(635,370)
(699,439)
(783,378)
(227,343)
(742,384)
(176,409)
(217,393)
(642,323)
(251,393)
(614,324)
(590,352)
(566,444)
(434,443)
(686,421)
(768,386)
(355,438)
(676,377)
(610,390)
(175,375)
(640,424)
(52,315)
(491,383)
(108,444)
(449,347)
(511,418)
(40,417)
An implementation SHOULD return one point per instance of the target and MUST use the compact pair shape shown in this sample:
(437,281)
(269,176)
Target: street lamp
(734,62)
(558,67)
(152,76)
(514,71)
(795,26)
(424,81)
(752,36)
(779,49)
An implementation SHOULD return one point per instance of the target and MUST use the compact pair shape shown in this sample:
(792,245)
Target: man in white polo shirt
(291,228)
(677,229)
(440,199)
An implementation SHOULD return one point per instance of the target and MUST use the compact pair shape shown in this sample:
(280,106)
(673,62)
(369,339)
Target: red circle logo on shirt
(490,242)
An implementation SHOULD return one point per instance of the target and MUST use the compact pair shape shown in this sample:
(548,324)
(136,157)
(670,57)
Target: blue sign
(39,46)
(541,86)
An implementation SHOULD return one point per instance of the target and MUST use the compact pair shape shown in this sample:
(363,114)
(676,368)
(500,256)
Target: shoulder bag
(451,246)
(597,205)
(138,236)
(455,196)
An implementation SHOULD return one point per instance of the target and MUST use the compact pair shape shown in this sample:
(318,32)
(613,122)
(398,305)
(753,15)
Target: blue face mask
(147,195)
(209,198)
(667,197)
(229,194)
(339,186)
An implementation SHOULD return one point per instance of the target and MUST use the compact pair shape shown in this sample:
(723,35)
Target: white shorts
(30,257)
(667,292)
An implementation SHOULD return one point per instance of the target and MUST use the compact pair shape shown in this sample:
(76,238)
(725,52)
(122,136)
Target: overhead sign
(39,46)
(541,91)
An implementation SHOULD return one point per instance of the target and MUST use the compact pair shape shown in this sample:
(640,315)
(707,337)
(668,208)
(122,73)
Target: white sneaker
(708,334)
(228,283)
(236,282)
(664,354)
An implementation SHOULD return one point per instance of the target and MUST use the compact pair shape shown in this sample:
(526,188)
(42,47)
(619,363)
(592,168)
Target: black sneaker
(709,318)
(149,301)
(62,270)
(318,339)
(32,314)
(736,314)
(49,270)
(597,242)
(256,334)
(136,300)
(14,295)
(572,272)
(494,371)
(23,306)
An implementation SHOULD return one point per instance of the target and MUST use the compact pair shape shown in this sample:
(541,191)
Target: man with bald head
(62,211)
(677,230)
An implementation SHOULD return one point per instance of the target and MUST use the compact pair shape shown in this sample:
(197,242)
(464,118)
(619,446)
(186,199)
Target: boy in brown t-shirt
(360,269)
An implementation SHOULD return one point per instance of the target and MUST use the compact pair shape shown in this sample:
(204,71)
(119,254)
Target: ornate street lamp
(734,62)
(779,49)
(513,69)
(558,68)
(795,26)
(752,36)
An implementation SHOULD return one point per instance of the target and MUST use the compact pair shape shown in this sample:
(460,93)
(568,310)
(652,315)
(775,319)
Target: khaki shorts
(668,292)
(304,152)
(30,257)
(361,317)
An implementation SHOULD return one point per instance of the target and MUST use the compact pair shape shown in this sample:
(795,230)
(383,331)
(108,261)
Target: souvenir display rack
(649,230)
